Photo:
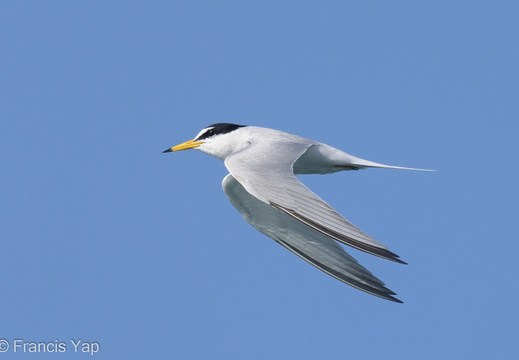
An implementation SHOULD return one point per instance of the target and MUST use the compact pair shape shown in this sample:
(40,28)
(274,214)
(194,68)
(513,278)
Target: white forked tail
(361,163)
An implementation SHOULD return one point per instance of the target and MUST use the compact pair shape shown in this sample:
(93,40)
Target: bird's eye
(207,134)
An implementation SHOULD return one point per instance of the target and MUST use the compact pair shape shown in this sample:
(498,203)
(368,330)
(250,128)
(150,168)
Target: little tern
(262,186)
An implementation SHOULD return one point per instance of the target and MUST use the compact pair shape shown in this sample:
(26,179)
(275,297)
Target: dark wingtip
(389,296)
(370,249)
(167,150)
(398,261)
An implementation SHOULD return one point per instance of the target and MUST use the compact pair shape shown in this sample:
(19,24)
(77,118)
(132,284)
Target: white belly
(324,159)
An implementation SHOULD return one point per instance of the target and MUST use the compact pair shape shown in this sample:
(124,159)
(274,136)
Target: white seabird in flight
(262,186)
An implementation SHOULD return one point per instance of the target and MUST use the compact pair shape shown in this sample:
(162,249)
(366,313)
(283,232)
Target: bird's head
(218,140)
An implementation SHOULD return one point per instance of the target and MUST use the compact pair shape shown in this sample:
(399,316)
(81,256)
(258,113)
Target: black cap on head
(218,129)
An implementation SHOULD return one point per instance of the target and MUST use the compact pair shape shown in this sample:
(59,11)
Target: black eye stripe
(218,129)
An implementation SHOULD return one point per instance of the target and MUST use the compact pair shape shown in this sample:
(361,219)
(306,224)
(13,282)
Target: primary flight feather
(263,187)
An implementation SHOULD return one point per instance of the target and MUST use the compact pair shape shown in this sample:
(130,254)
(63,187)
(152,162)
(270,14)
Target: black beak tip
(167,150)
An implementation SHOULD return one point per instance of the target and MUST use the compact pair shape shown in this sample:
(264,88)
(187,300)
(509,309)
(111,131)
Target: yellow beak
(191,144)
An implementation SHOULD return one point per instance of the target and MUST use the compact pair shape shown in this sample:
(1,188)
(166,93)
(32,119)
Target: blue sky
(106,239)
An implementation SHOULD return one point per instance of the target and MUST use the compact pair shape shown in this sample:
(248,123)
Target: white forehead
(203,131)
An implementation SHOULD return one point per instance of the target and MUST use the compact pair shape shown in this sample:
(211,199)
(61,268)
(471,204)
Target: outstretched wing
(311,245)
(272,180)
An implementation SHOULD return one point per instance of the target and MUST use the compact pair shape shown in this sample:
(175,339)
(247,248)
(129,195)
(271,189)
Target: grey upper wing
(265,171)
(311,245)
